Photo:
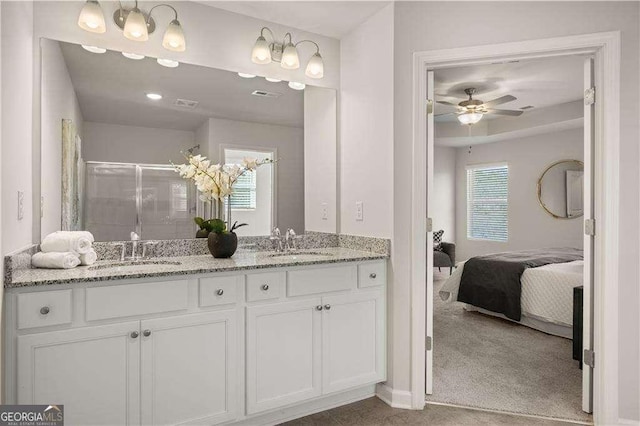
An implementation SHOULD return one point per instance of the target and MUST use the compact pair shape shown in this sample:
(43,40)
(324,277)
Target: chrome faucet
(290,240)
(134,245)
(276,239)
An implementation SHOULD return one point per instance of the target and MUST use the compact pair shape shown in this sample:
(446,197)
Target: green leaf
(199,221)
(217,225)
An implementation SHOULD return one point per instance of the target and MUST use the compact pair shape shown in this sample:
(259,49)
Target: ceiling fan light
(174,37)
(94,49)
(470,117)
(169,63)
(261,53)
(135,27)
(91,18)
(315,67)
(134,56)
(290,59)
(296,86)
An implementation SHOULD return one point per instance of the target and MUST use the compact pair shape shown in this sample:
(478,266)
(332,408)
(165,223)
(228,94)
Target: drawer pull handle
(134,334)
(45,310)
(327,307)
(265,287)
(220,292)
(146,333)
(372,275)
(319,308)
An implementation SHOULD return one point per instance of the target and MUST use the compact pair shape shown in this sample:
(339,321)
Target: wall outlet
(359,211)
(325,211)
(20,205)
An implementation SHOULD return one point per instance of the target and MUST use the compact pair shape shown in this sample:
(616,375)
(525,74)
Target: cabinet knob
(44,310)
(319,308)
(372,275)
(327,307)
(146,333)
(220,292)
(265,287)
(134,334)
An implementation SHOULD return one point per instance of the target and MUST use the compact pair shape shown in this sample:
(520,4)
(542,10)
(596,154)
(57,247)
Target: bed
(545,294)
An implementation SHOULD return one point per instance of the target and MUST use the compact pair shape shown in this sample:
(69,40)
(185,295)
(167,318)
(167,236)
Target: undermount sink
(303,255)
(133,263)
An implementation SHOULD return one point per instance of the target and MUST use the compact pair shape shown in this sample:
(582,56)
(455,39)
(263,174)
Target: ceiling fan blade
(509,112)
(446,103)
(442,115)
(501,100)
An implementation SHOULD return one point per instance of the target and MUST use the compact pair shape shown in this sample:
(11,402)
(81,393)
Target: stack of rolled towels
(65,250)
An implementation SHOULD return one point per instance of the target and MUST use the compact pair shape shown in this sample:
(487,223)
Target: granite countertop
(185,265)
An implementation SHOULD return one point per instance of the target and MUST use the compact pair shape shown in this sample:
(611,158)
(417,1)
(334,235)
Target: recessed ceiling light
(94,49)
(154,96)
(169,63)
(245,75)
(273,80)
(132,56)
(297,86)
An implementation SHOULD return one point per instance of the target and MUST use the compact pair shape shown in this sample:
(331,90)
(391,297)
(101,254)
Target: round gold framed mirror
(561,188)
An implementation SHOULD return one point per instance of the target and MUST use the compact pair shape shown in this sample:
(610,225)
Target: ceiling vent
(186,103)
(266,94)
(526,107)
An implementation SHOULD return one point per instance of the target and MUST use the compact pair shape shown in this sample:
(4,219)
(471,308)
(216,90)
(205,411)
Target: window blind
(487,202)
(244,192)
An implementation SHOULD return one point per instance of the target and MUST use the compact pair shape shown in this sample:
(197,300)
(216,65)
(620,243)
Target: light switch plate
(20,205)
(325,211)
(359,211)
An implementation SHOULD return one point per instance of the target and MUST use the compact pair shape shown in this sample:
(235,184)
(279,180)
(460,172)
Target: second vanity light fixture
(286,53)
(135,24)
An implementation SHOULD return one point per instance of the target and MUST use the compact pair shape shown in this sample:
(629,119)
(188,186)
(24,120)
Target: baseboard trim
(628,422)
(286,414)
(393,397)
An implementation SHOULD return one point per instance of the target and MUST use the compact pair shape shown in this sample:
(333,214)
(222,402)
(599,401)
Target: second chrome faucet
(286,243)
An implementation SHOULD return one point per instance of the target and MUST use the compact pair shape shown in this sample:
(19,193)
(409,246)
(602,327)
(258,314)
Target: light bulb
(315,67)
(290,60)
(246,75)
(469,117)
(169,63)
(135,56)
(135,27)
(174,37)
(94,49)
(91,18)
(273,80)
(261,53)
(296,86)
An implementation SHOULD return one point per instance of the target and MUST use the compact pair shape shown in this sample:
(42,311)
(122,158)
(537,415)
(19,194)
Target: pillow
(437,240)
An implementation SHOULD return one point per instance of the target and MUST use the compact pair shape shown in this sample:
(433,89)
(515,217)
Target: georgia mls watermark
(31,415)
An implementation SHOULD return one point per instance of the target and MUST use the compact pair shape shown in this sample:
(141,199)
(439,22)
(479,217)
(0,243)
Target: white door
(353,340)
(587,322)
(429,255)
(94,372)
(283,354)
(188,366)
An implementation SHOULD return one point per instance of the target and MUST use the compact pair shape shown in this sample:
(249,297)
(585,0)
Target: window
(244,192)
(487,205)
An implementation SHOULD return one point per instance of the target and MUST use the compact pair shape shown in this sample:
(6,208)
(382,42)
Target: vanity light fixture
(469,117)
(297,86)
(133,56)
(273,80)
(245,75)
(94,49)
(135,23)
(286,53)
(169,63)
(154,96)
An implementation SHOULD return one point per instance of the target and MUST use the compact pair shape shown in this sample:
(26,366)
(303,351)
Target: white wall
(529,225)
(58,102)
(366,127)
(421,26)
(289,142)
(443,200)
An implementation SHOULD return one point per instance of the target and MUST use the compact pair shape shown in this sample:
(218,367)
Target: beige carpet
(486,362)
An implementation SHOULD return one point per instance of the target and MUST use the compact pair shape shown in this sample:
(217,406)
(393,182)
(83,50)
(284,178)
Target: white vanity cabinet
(204,349)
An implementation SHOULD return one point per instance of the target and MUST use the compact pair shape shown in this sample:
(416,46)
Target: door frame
(606,49)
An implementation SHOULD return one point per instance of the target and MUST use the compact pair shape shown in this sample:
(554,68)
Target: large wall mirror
(561,188)
(112,125)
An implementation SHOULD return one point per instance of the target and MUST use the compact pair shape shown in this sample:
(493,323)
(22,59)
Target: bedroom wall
(443,200)
(529,225)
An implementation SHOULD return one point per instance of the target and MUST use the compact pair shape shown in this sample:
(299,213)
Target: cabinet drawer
(44,308)
(264,286)
(321,280)
(218,290)
(135,299)
(372,274)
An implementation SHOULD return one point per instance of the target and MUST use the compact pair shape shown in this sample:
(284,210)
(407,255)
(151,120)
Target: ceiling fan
(472,110)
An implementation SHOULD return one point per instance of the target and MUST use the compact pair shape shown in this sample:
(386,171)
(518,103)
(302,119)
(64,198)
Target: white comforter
(547,291)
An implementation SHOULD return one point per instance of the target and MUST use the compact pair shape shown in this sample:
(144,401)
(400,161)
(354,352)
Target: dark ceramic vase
(202,233)
(223,245)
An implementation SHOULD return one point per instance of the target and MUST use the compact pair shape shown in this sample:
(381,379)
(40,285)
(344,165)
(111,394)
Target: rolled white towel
(61,241)
(88,258)
(65,260)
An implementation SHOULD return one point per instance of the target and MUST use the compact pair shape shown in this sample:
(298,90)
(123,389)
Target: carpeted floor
(486,362)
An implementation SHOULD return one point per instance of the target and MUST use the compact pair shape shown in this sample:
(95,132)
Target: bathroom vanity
(254,339)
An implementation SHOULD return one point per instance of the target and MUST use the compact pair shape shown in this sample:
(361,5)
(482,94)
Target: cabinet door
(189,368)
(283,354)
(93,371)
(353,340)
